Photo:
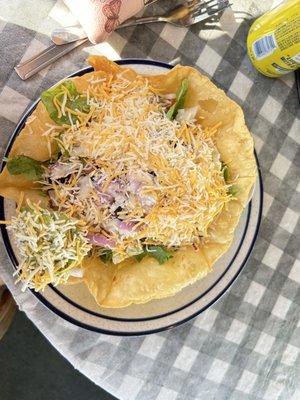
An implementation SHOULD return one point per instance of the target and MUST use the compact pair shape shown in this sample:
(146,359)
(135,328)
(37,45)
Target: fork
(187,14)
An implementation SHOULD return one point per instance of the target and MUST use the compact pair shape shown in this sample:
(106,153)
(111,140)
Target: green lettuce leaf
(180,99)
(106,255)
(75,102)
(32,169)
(226,172)
(158,252)
(233,190)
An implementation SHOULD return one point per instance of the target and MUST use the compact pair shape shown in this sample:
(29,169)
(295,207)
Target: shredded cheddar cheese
(131,175)
(4,222)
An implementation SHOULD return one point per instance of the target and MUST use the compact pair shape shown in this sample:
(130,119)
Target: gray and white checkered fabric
(247,345)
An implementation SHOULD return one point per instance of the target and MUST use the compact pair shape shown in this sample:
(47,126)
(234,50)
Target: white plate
(75,304)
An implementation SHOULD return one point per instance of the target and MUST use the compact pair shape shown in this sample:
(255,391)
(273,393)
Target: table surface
(247,345)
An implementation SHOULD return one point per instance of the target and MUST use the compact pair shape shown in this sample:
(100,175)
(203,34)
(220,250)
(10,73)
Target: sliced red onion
(99,180)
(88,168)
(125,226)
(53,199)
(168,99)
(100,240)
(137,181)
(105,198)
(116,187)
(169,96)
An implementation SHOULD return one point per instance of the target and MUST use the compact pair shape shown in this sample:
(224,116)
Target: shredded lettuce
(75,101)
(226,172)
(180,99)
(106,255)
(50,245)
(233,190)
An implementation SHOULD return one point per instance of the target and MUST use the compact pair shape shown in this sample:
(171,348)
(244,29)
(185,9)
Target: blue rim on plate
(151,319)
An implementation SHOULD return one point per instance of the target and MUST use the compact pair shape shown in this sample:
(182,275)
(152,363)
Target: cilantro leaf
(75,101)
(106,255)
(180,98)
(158,252)
(27,166)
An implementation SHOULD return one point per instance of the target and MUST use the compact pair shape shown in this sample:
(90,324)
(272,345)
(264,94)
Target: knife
(40,61)
(35,64)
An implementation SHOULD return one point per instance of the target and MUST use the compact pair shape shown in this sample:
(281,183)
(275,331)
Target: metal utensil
(67,34)
(186,14)
(35,64)
(190,13)
(40,61)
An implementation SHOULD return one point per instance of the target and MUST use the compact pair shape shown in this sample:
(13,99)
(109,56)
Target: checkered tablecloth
(247,345)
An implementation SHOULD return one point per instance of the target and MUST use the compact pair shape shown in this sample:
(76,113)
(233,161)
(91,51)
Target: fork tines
(210,7)
(191,4)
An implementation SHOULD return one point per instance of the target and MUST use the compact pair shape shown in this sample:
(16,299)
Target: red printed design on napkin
(111,11)
(100,17)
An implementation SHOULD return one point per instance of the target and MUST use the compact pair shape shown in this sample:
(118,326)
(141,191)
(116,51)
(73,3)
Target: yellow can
(273,41)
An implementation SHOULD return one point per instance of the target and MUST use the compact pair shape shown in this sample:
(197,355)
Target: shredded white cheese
(50,244)
(140,172)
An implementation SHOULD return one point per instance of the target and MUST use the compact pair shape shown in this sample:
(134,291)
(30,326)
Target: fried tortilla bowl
(132,282)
